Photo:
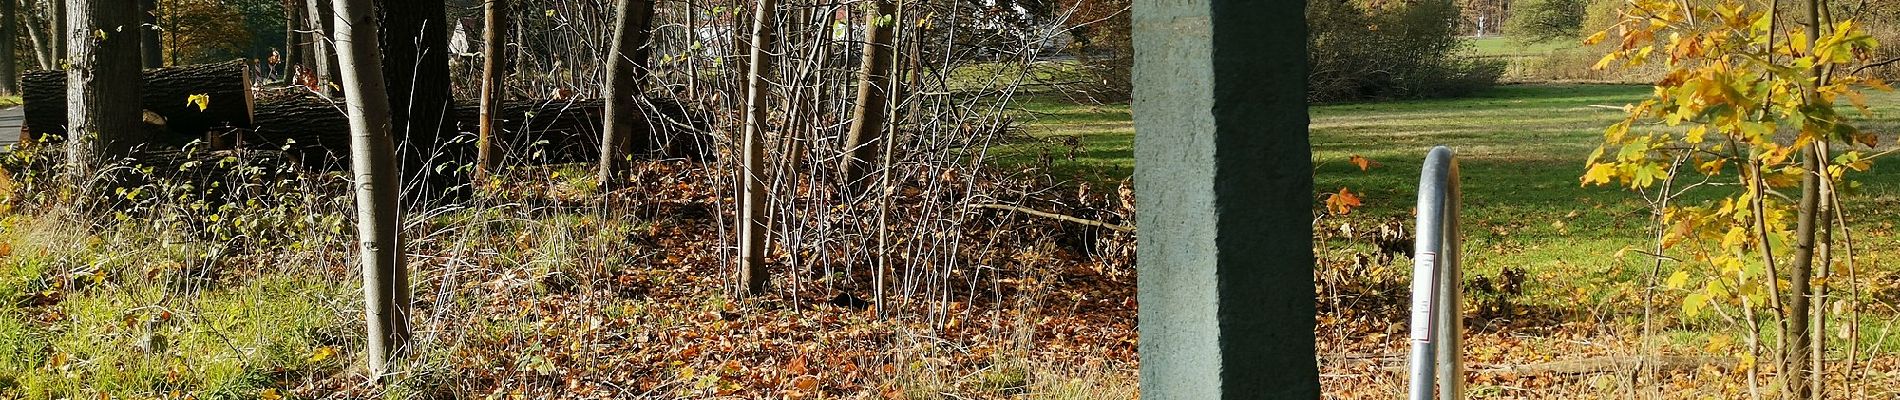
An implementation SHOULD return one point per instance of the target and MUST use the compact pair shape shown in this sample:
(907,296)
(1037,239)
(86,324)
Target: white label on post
(1424,270)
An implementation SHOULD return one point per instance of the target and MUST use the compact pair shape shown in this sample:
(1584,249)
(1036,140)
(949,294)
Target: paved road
(10,121)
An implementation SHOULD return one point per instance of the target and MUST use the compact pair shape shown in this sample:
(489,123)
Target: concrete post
(1224,174)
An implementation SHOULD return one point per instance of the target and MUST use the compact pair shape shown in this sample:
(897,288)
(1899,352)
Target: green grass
(1521,149)
(1090,143)
(1502,46)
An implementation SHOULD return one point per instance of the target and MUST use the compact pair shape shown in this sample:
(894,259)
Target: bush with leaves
(1362,51)
(1548,20)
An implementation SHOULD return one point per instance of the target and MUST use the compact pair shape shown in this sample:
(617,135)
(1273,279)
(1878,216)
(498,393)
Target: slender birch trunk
(373,162)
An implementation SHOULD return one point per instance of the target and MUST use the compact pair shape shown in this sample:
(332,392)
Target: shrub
(1354,51)
(1548,20)
(1357,52)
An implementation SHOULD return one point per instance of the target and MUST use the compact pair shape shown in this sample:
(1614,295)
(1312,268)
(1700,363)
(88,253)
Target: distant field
(1522,148)
(1501,46)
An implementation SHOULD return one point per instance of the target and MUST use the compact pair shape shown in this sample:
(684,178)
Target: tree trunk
(9,35)
(1800,300)
(37,33)
(874,88)
(151,51)
(752,216)
(494,24)
(164,92)
(1801,269)
(625,64)
(1817,335)
(62,31)
(322,51)
(104,70)
(296,44)
(372,150)
(414,40)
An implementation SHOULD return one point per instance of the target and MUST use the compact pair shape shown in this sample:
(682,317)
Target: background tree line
(1356,49)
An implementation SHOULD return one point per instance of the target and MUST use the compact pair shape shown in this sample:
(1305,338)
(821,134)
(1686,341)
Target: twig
(1045,214)
(1606,364)
(1882,63)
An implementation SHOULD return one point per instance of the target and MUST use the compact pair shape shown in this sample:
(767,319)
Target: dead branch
(1050,215)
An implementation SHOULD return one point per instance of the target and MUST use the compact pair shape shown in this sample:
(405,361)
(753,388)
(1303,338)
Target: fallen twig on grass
(1046,214)
(1608,364)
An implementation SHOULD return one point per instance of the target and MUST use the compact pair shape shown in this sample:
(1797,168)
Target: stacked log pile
(225,87)
(314,129)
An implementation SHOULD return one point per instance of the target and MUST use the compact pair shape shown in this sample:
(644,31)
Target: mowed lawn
(1521,149)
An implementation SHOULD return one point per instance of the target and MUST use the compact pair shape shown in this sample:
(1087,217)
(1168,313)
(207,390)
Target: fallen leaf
(1343,202)
(322,353)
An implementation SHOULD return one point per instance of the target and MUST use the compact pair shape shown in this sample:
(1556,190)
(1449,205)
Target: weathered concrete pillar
(1224,175)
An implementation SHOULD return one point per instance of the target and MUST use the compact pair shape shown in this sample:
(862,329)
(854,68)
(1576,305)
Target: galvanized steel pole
(1437,290)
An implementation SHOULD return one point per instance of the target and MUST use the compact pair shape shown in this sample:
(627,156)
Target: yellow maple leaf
(1599,174)
(1677,280)
(1696,133)
(322,353)
(202,100)
(1596,38)
(1711,167)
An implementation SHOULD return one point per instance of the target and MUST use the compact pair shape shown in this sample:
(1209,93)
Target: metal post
(1437,292)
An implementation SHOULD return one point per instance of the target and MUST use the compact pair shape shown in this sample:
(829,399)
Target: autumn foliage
(1746,99)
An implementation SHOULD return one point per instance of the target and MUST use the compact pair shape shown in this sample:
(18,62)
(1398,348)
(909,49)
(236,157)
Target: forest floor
(550,290)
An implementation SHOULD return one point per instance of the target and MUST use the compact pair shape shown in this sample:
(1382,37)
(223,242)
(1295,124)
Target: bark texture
(38,33)
(322,50)
(104,70)
(874,90)
(624,70)
(415,44)
(296,41)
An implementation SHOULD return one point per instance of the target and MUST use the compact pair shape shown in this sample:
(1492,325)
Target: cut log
(539,132)
(226,86)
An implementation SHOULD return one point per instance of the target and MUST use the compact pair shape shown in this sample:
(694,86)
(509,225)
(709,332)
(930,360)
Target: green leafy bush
(1357,51)
(1548,20)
